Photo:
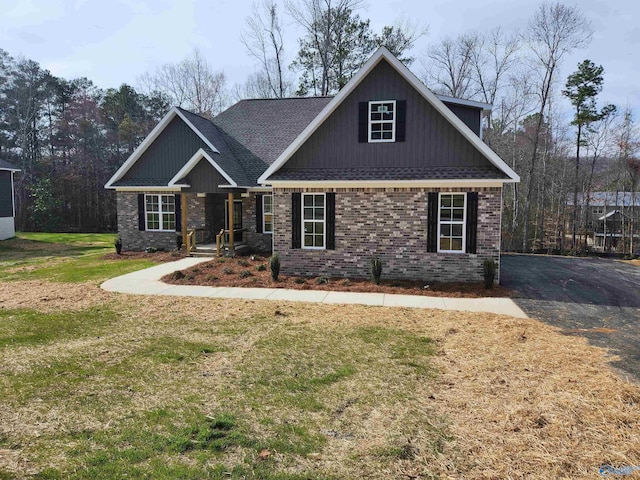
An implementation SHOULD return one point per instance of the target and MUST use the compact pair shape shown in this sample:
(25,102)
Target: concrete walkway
(147,282)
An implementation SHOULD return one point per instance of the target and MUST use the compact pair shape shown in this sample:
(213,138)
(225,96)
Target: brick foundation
(391,224)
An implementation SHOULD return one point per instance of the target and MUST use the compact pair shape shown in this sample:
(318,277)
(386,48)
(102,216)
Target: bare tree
(264,42)
(554,31)
(191,84)
(449,67)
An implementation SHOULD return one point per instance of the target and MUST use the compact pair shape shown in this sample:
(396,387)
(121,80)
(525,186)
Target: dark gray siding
(204,178)
(469,115)
(167,154)
(430,139)
(6,194)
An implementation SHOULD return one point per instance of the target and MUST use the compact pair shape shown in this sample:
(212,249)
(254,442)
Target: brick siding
(258,242)
(392,224)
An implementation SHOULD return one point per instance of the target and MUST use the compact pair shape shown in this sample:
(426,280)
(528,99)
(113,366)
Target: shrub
(211,278)
(245,274)
(300,280)
(261,268)
(243,263)
(376,270)
(322,280)
(489,269)
(118,245)
(274,263)
(227,271)
(177,275)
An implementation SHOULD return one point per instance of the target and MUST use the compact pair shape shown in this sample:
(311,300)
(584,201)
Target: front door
(238,234)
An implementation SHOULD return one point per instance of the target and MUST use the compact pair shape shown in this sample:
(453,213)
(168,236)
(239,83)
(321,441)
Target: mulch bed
(254,271)
(160,257)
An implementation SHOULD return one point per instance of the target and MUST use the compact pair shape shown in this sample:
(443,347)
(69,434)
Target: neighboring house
(7,200)
(611,219)
(385,168)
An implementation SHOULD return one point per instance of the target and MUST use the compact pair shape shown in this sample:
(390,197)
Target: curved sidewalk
(147,282)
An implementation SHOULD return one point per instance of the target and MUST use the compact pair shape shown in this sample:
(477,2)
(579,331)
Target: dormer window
(382,121)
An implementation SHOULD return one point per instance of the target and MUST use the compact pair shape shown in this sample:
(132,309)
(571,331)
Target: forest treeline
(68,136)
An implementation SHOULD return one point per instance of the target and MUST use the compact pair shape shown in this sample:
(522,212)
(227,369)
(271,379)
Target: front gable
(165,156)
(429,140)
(434,145)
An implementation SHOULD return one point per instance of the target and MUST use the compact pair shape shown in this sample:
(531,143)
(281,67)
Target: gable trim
(193,161)
(384,54)
(155,133)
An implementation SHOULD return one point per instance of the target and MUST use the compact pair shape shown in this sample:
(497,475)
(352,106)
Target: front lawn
(63,257)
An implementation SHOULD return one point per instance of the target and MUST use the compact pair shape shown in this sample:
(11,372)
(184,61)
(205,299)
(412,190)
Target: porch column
(183,219)
(230,216)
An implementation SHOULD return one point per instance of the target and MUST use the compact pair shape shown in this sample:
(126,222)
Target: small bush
(376,270)
(346,282)
(300,280)
(243,263)
(178,275)
(227,271)
(261,268)
(489,270)
(322,280)
(211,278)
(274,263)
(118,245)
(246,273)
(196,270)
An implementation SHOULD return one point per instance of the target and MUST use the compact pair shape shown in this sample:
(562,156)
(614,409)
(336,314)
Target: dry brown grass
(511,398)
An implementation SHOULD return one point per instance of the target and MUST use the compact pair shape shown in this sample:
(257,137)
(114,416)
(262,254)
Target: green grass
(63,257)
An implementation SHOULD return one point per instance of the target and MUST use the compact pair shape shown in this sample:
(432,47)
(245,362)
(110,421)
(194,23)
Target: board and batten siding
(167,154)
(469,115)
(6,194)
(204,178)
(430,139)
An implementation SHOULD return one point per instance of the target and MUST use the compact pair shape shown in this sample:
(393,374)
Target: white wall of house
(7,228)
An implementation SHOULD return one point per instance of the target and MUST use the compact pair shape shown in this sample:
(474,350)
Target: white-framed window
(267,213)
(452,208)
(598,210)
(313,220)
(160,212)
(382,121)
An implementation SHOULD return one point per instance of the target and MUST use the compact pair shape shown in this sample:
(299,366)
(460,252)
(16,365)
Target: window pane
(308,240)
(168,203)
(376,135)
(388,116)
(375,116)
(308,227)
(446,200)
(308,213)
(319,228)
(387,127)
(456,230)
(445,244)
(445,230)
(456,244)
(376,127)
(319,213)
(268,204)
(445,215)
(458,214)
(318,241)
(319,199)
(458,201)
(387,135)
(308,200)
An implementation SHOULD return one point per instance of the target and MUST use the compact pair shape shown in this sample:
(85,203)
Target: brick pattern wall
(135,240)
(258,242)
(392,224)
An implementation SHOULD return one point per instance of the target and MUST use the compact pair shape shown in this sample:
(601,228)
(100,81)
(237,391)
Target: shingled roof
(4,165)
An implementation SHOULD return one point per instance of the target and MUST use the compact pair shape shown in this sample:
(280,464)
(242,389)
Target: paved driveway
(592,297)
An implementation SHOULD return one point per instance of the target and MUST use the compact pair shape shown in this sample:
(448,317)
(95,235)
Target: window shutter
(296,220)
(258,213)
(472,221)
(178,204)
(141,220)
(363,124)
(331,220)
(432,222)
(401,120)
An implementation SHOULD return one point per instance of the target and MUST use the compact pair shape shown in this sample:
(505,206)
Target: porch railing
(191,241)
(222,239)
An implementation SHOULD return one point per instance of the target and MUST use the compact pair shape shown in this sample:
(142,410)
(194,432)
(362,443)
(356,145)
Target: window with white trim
(160,212)
(313,220)
(267,213)
(451,222)
(382,121)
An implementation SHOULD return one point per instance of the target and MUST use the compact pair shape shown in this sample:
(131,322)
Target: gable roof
(4,165)
(508,175)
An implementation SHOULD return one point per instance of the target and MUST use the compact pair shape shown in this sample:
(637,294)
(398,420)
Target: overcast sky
(114,41)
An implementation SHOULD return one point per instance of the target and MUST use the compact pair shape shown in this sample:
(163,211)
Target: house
(385,168)
(613,220)
(7,200)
